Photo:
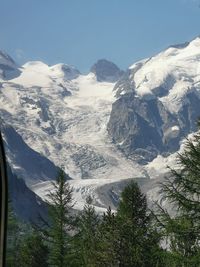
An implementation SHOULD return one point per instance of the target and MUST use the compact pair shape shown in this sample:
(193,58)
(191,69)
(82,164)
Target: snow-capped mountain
(104,126)
(158,103)
(64,118)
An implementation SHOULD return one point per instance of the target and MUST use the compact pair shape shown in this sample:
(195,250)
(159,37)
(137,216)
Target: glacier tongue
(66,121)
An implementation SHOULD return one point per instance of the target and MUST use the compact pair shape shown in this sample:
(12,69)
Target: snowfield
(65,120)
(63,115)
(177,68)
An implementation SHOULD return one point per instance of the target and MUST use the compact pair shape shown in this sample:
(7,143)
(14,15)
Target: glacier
(70,119)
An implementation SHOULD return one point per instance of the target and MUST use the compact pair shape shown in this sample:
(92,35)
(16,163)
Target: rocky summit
(106,71)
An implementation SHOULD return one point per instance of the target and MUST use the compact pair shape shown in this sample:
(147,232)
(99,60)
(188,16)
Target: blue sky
(79,32)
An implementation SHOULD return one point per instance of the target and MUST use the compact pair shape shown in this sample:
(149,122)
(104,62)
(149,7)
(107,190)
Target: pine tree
(138,243)
(13,238)
(60,202)
(33,252)
(86,241)
(24,248)
(182,191)
(109,239)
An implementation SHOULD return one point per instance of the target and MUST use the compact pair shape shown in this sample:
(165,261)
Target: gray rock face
(106,71)
(26,204)
(25,162)
(25,167)
(143,128)
(124,85)
(70,72)
(158,103)
(8,68)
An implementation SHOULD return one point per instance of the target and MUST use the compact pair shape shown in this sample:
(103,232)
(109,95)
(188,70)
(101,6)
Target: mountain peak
(106,71)
(64,70)
(180,46)
(5,58)
(196,40)
(8,67)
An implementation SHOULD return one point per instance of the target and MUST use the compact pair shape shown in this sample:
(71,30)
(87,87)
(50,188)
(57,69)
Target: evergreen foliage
(60,204)
(13,238)
(138,243)
(87,238)
(109,231)
(33,252)
(24,247)
(128,237)
(182,191)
